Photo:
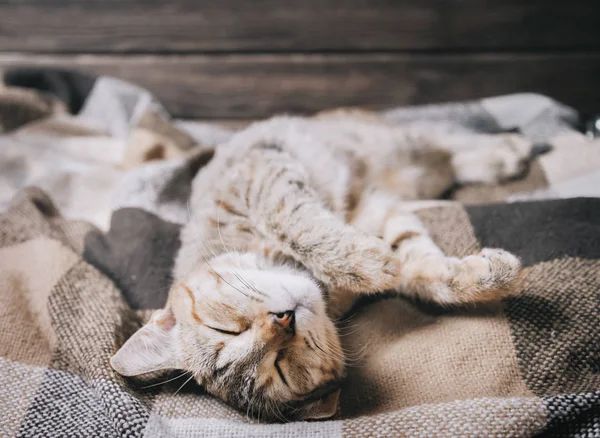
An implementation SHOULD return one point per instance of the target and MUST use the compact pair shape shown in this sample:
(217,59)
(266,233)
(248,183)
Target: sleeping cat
(291,221)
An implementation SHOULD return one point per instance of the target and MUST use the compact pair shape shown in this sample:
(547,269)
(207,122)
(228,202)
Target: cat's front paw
(368,266)
(488,276)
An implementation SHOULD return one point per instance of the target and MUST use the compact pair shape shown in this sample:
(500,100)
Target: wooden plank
(250,86)
(178,26)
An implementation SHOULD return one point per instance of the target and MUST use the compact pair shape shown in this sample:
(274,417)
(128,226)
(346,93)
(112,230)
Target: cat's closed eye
(225,332)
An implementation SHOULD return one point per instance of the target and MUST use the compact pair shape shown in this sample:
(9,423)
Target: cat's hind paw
(505,158)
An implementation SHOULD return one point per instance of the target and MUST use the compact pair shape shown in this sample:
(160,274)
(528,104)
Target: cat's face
(254,335)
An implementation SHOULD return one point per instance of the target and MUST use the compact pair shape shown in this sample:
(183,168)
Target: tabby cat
(290,222)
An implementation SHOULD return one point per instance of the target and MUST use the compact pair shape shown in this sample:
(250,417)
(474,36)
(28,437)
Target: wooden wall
(251,58)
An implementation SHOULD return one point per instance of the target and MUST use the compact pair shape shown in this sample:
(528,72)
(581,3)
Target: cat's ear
(151,348)
(320,409)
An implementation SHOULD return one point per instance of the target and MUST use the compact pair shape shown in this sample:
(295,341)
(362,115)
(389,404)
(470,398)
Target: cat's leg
(291,215)
(487,158)
(426,272)
(430,275)
(495,158)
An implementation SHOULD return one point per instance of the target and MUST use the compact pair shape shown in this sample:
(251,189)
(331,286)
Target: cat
(290,222)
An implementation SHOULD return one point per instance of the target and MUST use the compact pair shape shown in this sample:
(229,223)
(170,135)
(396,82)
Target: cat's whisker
(251,405)
(208,247)
(343,331)
(333,351)
(222,278)
(229,252)
(225,281)
(233,240)
(166,381)
(356,355)
(353,357)
(281,416)
(241,280)
(345,334)
(259,415)
(274,410)
(184,383)
(248,408)
(257,290)
(345,327)
(345,320)
(249,284)
(206,243)
(252,285)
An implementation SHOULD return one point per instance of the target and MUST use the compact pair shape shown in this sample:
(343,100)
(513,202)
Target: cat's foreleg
(425,271)
(430,275)
(293,216)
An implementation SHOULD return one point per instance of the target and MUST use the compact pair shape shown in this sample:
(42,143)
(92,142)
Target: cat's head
(253,334)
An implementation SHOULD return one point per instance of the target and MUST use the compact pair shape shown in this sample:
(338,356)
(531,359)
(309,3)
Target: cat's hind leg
(489,158)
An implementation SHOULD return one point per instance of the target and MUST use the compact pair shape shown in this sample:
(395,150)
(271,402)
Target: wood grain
(251,86)
(185,26)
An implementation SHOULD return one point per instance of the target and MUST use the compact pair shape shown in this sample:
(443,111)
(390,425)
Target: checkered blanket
(73,292)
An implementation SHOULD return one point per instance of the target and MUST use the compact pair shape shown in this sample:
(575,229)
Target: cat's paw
(488,276)
(367,265)
(505,158)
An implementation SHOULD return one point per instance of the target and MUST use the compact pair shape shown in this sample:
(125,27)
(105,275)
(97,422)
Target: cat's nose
(285,319)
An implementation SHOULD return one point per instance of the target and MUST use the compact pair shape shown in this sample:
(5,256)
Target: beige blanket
(72,293)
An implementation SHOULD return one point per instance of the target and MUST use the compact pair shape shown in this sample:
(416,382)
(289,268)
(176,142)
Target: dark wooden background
(251,58)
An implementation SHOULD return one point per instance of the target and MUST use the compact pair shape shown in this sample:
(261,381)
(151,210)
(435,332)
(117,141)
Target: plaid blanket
(72,293)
